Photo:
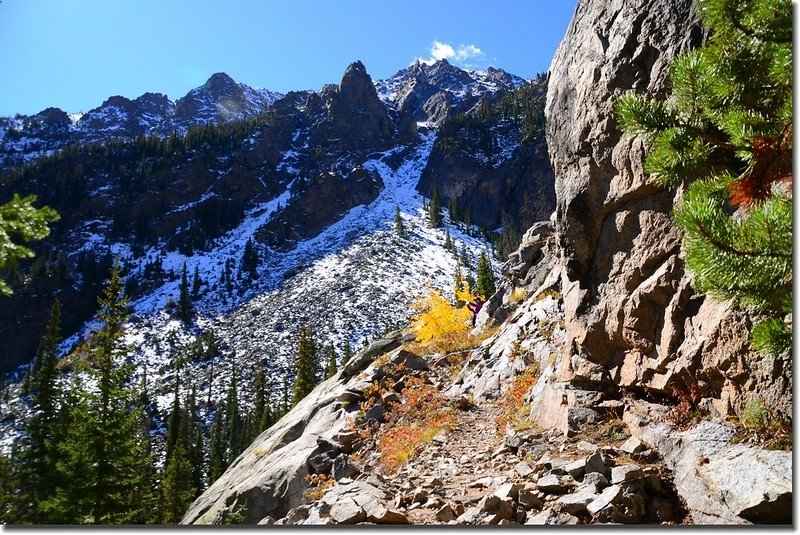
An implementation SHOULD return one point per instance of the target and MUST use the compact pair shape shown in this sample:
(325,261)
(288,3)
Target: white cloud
(463,55)
(442,51)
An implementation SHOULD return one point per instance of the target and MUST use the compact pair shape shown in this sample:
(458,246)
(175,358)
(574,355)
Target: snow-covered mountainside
(313,186)
(431,93)
(351,283)
(25,138)
(442,76)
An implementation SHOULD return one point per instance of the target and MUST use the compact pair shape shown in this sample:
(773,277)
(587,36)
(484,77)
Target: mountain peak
(53,116)
(355,66)
(355,78)
(219,81)
(116,100)
(152,97)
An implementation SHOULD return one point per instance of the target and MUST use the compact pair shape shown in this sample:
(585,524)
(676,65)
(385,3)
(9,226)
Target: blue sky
(73,54)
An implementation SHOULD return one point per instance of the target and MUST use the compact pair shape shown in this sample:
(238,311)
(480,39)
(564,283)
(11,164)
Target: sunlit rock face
(632,316)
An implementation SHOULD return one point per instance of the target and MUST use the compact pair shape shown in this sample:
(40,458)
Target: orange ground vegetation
(512,404)
(420,417)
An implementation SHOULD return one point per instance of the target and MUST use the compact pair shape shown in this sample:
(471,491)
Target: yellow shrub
(516,295)
(436,317)
(555,294)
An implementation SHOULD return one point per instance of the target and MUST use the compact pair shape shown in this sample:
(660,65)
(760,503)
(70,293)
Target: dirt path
(475,475)
(458,468)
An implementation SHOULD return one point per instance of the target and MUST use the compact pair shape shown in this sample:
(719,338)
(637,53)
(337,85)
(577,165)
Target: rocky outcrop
(121,117)
(492,166)
(632,317)
(51,117)
(357,119)
(720,482)
(269,477)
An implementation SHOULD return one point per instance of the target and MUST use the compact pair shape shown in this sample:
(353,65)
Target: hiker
(475,307)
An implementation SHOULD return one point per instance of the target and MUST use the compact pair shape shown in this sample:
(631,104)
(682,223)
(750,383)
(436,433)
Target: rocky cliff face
(632,317)
(489,164)
(356,117)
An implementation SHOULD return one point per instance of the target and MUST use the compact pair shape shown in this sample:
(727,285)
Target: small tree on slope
(37,456)
(306,365)
(726,133)
(435,209)
(185,306)
(485,283)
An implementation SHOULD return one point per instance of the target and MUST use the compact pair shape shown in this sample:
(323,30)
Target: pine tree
(286,395)
(250,260)
(347,352)
(45,398)
(216,448)
(185,306)
(306,365)
(119,452)
(464,259)
(485,282)
(467,221)
(261,413)
(146,494)
(458,285)
(61,269)
(195,442)
(197,284)
(228,273)
(435,209)
(37,456)
(7,491)
(177,490)
(233,420)
(73,498)
(398,223)
(174,424)
(179,482)
(725,135)
(452,210)
(330,360)
(103,460)
(448,242)
(248,429)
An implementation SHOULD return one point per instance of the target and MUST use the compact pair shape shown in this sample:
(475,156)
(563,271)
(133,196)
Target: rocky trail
(473,474)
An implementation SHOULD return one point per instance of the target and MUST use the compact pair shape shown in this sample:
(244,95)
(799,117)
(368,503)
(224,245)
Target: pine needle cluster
(725,135)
